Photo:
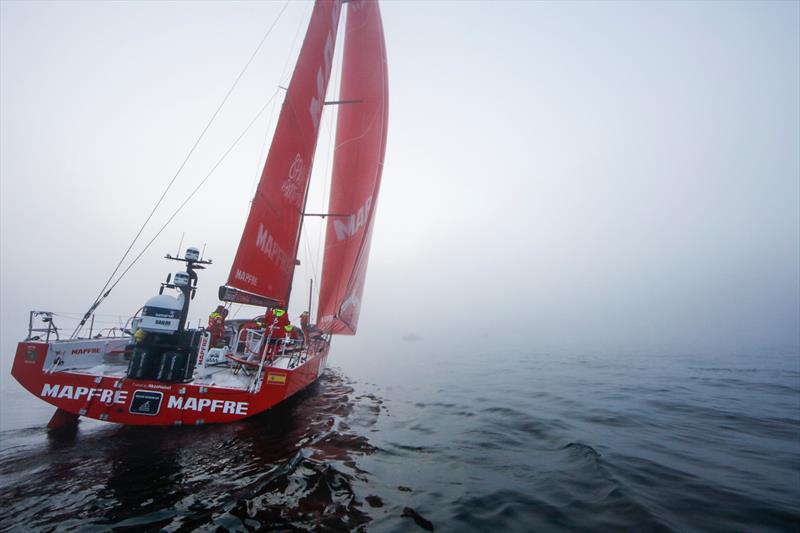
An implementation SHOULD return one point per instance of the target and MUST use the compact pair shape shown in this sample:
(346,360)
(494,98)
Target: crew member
(306,325)
(290,332)
(216,324)
(276,318)
(278,328)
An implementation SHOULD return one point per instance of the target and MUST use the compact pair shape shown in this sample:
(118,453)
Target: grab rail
(51,328)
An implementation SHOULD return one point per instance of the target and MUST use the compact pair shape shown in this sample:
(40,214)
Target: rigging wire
(194,191)
(281,82)
(259,166)
(180,207)
(294,43)
(103,293)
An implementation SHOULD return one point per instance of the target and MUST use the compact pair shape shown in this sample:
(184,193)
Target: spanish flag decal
(276,379)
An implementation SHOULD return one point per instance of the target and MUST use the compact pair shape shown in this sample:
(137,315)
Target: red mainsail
(265,260)
(358,163)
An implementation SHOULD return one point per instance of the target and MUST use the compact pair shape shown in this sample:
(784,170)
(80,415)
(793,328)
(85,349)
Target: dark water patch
(374,501)
(584,450)
(308,495)
(424,523)
(504,510)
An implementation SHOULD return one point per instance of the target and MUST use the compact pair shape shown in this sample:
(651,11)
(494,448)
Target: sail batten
(265,260)
(358,164)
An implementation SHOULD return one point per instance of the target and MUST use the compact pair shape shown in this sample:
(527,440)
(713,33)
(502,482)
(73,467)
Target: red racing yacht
(163,372)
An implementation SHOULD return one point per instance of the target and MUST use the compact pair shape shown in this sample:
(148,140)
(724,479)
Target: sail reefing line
(103,294)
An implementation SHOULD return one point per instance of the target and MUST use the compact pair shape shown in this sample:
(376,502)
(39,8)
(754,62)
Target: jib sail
(358,163)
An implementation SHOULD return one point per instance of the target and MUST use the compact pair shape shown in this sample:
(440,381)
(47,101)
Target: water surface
(411,440)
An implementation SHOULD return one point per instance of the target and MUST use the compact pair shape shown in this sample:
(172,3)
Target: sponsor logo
(270,248)
(31,354)
(82,351)
(68,392)
(353,223)
(155,386)
(160,312)
(161,323)
(292,188)
(145,402)
(323,72)
(190,403)
(205,340)
(247,277)
(276,379)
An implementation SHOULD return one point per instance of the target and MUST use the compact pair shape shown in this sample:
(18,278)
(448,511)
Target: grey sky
(571,176)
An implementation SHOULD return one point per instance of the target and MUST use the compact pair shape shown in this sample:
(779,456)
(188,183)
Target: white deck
(226,375)
(105,358)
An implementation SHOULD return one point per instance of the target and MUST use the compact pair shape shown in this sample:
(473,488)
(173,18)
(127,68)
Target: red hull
(115,399)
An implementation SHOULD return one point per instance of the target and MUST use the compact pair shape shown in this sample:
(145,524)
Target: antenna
(203,252)
(183,234)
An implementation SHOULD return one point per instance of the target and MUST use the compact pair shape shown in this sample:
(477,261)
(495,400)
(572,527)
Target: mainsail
(358,163)
(265,260)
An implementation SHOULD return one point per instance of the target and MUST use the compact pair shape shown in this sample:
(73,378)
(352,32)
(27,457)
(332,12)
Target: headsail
(358,163)
(265,260)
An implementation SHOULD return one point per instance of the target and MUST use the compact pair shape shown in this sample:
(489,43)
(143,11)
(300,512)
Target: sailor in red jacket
(216,324)
(274,322)
(278,328)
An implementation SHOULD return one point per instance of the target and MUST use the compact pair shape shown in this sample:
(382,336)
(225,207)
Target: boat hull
(156,403)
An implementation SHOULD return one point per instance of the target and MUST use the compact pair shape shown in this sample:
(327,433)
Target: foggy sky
(559,176)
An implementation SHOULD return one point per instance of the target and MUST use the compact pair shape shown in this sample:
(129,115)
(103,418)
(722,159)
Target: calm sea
(414,439)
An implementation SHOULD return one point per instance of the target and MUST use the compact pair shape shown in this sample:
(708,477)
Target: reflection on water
(289,468)
(533,443)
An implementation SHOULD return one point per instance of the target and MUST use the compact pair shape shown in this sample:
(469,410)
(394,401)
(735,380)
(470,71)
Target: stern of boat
(92,378)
